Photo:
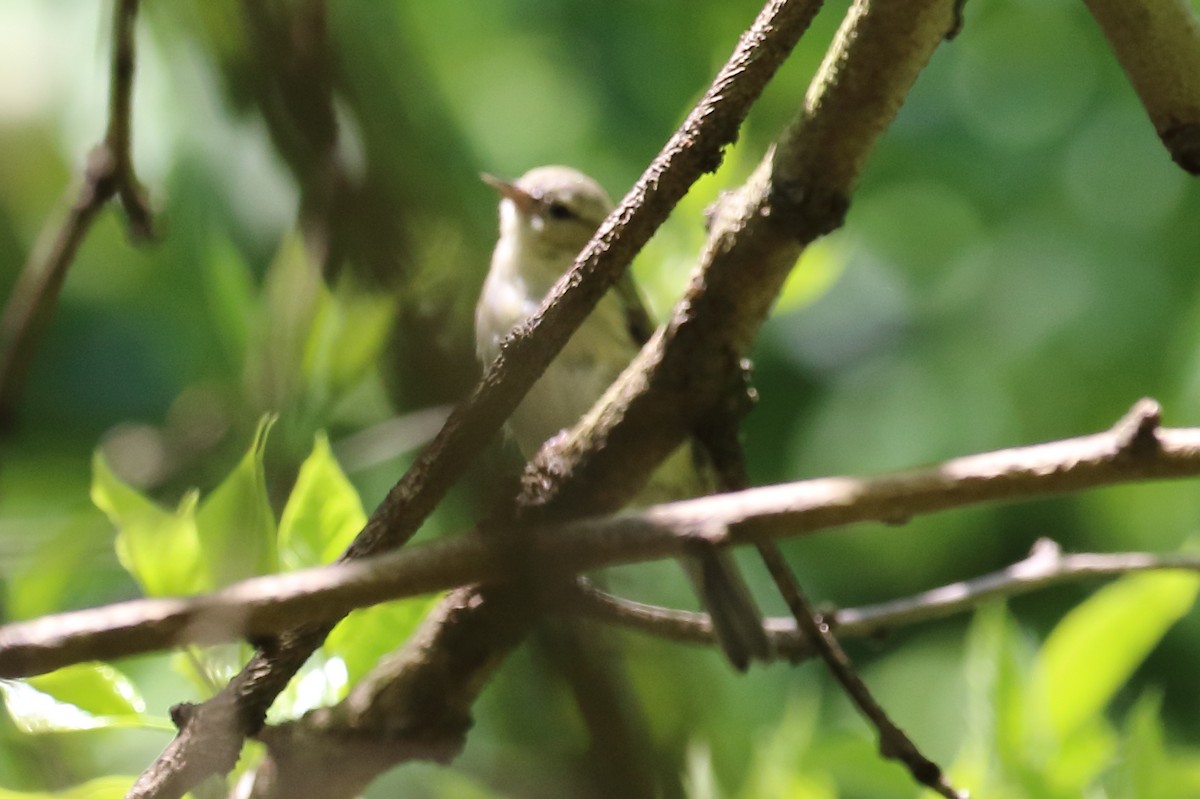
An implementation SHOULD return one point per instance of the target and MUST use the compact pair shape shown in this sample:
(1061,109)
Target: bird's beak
(524,201)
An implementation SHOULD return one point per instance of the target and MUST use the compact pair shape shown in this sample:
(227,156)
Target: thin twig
(109,173)
(1045,567)
(265,605)
(893,742)
(722,442)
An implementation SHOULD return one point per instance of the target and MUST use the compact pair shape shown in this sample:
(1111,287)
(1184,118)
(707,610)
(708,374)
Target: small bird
(547,216)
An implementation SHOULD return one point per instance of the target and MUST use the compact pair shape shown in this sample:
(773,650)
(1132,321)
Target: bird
(547,216)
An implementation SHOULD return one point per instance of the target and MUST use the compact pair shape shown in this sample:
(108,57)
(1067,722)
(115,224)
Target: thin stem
(108,173)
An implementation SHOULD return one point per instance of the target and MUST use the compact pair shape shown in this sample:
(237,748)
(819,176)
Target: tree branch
(1045,567)
(894,743)
(109,173)
(1133,450)
(694,149)
(799,192)
(1157,43)
(326,754)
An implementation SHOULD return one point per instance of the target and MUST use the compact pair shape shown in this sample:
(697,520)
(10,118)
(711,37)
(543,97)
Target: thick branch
(1157,43)
(1133,450)
(415,704)
(109,173)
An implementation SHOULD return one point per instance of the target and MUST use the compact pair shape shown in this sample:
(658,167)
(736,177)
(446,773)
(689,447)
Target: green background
(1018,265)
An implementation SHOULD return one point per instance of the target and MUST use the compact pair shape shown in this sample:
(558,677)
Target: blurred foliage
(1018,265)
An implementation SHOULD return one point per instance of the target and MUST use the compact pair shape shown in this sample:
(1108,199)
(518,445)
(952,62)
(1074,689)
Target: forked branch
(109,173)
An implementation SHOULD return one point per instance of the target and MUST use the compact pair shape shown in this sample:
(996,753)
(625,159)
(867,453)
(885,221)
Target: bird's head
(551,212)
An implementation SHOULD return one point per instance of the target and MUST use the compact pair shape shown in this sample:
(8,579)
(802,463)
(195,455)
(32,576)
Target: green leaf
(158,548)
(817,270)
(349,330)
(1093,651)
(320,683)
(998,663)
(782,765)
(112,787)
(999,747)
(368,634)
(1145,768)
(37,712)
(235,523)
(1148,767)
(323,513)
(96,688)
(292,292)
(1080,759)
(230,297)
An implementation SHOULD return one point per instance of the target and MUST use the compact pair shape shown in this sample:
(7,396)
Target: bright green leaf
(320,683)
(368,634)
(1095,648)
(159,548)
(35,712)
(209,668)
(1080,759)
(49,574)
(96,688)
(816,271)
(1144,765)
(323,513)
(235,523)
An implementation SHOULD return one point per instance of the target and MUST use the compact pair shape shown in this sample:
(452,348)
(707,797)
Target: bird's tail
(737,621)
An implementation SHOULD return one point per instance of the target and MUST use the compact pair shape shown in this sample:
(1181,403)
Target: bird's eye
(557,210)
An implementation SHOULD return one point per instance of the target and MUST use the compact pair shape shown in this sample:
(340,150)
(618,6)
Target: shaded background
(1019,264)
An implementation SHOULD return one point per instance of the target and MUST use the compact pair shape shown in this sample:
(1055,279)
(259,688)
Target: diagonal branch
(799,192)
(894,743)
(1133,450)
(1157,43)
(694,149)
(109,173)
